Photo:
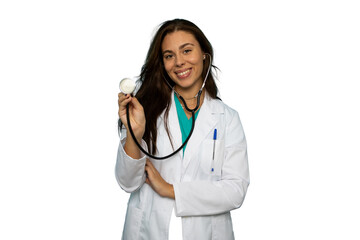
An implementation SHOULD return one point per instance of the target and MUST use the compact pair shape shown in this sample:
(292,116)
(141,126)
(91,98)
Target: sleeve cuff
(142,155)
(177,199)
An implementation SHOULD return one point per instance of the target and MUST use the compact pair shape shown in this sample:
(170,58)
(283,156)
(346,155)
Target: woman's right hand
(137,115)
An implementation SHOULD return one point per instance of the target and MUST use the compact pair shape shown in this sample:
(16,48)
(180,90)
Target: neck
(192,102)
(187,94)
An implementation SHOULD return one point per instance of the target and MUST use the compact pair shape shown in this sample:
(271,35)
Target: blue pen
(213,158)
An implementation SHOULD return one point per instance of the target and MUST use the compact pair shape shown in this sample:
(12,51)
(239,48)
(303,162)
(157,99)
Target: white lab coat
(203,199)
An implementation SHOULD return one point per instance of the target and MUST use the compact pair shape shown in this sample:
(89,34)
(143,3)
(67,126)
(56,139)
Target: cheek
(199,65)
(196,60)
(168,66)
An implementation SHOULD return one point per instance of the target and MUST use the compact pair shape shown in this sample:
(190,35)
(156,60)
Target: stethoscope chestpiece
(127,85)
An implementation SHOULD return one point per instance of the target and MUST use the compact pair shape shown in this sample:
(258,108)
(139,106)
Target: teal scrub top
(185,123)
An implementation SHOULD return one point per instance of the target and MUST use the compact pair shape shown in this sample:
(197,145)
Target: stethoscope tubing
(182,146)
(198,95)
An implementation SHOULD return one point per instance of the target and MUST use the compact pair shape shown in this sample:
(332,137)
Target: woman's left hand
(157,183)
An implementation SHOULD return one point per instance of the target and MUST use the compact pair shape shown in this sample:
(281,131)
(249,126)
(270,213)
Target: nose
(179,60)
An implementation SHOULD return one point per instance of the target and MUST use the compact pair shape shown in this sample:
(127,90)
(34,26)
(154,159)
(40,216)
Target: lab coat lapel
(205,122)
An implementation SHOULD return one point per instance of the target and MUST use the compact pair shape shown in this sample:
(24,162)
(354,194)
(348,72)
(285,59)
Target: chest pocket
(211,158)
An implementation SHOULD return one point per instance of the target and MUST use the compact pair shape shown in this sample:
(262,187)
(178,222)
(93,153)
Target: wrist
(130,138)
(137,136)
(171,192)
(131,148)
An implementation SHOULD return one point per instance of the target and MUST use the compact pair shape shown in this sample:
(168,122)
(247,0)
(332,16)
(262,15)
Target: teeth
(183,73)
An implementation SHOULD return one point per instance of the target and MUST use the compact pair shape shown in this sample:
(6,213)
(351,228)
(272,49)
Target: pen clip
(215,134)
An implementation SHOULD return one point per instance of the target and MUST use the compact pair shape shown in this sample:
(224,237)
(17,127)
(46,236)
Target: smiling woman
(210,177)
(183,62)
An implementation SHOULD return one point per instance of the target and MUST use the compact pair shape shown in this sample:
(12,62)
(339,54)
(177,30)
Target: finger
(124,100)
(136,103)
(150,165)
(149,171)
(155,173)
(122,96)
(149,162)
(122,106)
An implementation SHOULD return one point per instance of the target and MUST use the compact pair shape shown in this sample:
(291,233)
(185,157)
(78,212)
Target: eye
(168,56)
(186,51)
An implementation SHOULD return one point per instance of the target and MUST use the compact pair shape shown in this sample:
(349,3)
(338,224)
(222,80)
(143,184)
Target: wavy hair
(154,93)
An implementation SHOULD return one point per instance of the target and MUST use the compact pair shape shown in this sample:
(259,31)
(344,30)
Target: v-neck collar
(184,122)
(181,112)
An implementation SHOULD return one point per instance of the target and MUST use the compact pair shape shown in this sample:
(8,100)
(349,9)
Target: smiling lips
(183,73)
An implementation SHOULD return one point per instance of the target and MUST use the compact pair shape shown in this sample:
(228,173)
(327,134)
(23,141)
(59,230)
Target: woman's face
(183,60)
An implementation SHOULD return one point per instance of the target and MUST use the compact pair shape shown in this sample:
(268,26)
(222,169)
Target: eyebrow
(181,47)
(185,44)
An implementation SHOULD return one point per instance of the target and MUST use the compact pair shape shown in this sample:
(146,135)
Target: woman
(209,177)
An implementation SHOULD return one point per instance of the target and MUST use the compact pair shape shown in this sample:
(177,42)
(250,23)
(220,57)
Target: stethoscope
(127,86)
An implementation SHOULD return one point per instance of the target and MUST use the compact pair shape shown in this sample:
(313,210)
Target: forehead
(176,39)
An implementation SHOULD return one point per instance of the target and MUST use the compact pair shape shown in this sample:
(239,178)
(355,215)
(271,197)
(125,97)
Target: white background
(290,68)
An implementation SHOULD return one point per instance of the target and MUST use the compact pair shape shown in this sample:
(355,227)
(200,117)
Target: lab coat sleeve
(197,198)
(129,172)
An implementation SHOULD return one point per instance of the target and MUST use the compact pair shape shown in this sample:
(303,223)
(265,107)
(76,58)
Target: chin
(185,85)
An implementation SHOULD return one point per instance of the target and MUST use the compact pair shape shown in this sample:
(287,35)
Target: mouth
(183,73)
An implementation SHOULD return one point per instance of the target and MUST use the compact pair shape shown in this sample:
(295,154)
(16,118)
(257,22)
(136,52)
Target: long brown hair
(154,93)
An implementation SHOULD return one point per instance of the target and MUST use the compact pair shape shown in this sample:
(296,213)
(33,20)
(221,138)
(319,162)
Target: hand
(157,183)
(137,115)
